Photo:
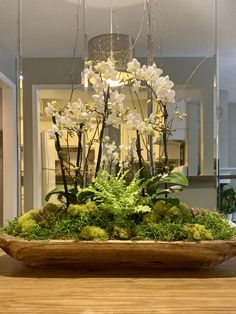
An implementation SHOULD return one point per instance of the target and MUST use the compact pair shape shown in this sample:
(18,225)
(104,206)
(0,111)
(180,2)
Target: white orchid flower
(54,130)
(133,66)
(50,110)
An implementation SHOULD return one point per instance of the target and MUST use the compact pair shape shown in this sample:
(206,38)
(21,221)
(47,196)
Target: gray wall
(224,125)
(232,134)
(7,64)
(57,71)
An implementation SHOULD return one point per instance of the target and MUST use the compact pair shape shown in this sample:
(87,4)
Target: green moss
(160,208)
(50,207)
(162,231)
(44,215)
(174,211)
(150,217)
(55,227)
(180,212)
(12,228)
(35,217)
(90,208)
(179,225)
(165,222)
(28,226)
(27,223)
(121,233)
(185,210)
(219,227)
(93,233)
(197,232)
(75,210)
(29,215)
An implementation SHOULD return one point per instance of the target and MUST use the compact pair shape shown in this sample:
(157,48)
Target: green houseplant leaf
(61,194)
(53,192)
(85,194)
(172,201)
(174,178)
(170,190)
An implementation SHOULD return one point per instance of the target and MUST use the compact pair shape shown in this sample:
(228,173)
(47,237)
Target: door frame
(37,149)
(10,149)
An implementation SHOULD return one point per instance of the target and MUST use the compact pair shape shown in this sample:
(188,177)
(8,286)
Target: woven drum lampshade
(115,46)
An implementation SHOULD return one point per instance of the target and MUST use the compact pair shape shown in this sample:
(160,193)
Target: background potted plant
(228,203)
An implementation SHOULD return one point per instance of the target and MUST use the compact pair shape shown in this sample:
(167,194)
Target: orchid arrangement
(115,205)
(109,108)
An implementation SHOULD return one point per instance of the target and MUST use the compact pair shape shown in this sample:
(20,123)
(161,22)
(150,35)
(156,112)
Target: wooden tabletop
(25,290)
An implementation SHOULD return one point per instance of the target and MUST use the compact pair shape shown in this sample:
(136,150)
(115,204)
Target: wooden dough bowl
(170,255)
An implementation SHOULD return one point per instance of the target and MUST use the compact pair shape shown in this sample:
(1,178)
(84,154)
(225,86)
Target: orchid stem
(59,154)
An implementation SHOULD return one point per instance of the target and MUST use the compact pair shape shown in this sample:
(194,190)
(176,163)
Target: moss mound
(164,222)
(93,233)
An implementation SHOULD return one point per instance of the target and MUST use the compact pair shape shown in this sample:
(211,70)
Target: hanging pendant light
(118,47)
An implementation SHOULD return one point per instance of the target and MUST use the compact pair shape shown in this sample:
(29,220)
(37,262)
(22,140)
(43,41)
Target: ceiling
(183,28)
(49,26)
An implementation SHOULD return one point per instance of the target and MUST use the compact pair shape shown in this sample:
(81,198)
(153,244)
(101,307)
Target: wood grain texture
(184,255)
(25,290)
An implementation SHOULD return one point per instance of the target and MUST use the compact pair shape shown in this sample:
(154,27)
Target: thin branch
(74,51)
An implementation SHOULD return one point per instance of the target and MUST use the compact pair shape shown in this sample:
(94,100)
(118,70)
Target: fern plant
(113,195)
